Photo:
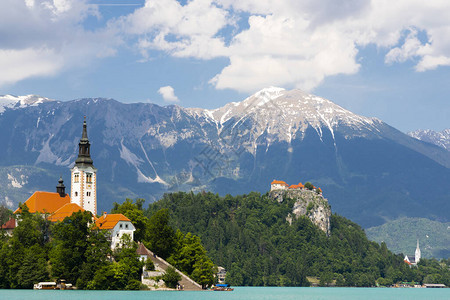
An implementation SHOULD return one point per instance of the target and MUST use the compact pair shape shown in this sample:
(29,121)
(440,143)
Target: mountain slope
(369,171)
(441,139)
(401,236)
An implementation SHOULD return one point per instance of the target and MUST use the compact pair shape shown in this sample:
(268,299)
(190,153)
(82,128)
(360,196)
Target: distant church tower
(417,254)
(84,176)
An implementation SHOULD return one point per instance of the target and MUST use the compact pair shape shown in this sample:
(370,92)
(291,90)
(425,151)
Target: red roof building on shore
(9,226)
(118,225)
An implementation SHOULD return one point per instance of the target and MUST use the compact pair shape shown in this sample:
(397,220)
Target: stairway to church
(187,283)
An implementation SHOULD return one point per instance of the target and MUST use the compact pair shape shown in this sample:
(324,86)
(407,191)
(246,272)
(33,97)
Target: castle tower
(84,176)
(417,254)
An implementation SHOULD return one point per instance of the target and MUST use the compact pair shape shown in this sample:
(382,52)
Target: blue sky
(377,58)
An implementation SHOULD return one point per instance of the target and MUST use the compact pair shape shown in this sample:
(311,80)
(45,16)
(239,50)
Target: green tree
(121,274)
(188,252)
(67,256)
(134,212)
(309,186)
(340,280)
(24,251)
(96,256)
(161,236)
(5,215)
(326,278)
(149,265)
(34,267)
(203,272)
(171,277)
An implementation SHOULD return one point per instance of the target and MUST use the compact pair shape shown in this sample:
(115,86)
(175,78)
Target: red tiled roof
(110,220)
(65,211)
(10,224)
(45,202)
(142,250)
(279,182)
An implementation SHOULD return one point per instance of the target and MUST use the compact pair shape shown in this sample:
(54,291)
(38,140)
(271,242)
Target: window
(120,226)
(117,234)
(76,194)
(89,177)
(88,194)
(126,226)
(76,178)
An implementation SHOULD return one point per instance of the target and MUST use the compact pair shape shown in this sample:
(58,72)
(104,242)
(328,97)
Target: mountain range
(441,138)
(369,171)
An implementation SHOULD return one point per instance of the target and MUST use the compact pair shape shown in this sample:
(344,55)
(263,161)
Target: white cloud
(168,94)
(183,31)
(44,37)
(268,42)
(20,64)
(293,43)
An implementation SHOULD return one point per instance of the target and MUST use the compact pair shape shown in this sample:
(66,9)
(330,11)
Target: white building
(413,260)
(278,185)
(221,274)
(84,177)
(118,225)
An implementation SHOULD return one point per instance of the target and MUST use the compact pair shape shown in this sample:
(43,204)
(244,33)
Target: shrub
(309,186)
(171,277)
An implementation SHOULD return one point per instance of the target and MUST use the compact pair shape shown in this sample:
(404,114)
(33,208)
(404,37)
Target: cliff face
(307,203)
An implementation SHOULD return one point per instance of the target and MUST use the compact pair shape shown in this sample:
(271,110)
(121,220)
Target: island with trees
(252,236)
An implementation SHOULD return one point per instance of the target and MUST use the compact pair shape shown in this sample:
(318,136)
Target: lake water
(250,293)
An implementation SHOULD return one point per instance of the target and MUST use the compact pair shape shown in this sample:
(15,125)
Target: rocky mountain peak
(285,115)
(14,102)
(441,139)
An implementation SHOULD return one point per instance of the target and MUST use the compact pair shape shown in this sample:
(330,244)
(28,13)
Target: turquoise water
(256,293)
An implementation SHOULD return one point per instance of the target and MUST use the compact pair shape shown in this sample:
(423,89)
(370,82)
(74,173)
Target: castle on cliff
(281,185)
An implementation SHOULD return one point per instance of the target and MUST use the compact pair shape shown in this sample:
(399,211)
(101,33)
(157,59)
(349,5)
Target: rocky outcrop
(307,203)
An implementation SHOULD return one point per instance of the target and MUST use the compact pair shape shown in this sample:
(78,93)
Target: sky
(380,58)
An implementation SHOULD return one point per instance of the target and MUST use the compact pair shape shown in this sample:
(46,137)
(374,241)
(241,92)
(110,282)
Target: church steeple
(417,254)
(83,189)
(84,155)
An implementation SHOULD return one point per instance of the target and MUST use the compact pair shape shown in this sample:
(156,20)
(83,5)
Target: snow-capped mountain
(441,139)
(15,102)
(285,114)
(368,170)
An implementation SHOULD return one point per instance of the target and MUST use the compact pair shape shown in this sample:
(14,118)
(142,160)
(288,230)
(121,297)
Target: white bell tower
(83,189)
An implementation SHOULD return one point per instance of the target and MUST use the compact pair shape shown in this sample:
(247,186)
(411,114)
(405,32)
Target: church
(413,260)
(83,197)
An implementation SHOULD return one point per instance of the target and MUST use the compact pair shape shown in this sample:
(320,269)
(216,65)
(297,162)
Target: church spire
(83,188)
(84,155)
(417,254)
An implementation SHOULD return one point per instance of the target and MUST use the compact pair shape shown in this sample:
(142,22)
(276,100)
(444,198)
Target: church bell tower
(84,176)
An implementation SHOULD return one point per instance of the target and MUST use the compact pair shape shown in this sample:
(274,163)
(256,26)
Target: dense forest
(247,234)
(250,237)
(80,253)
